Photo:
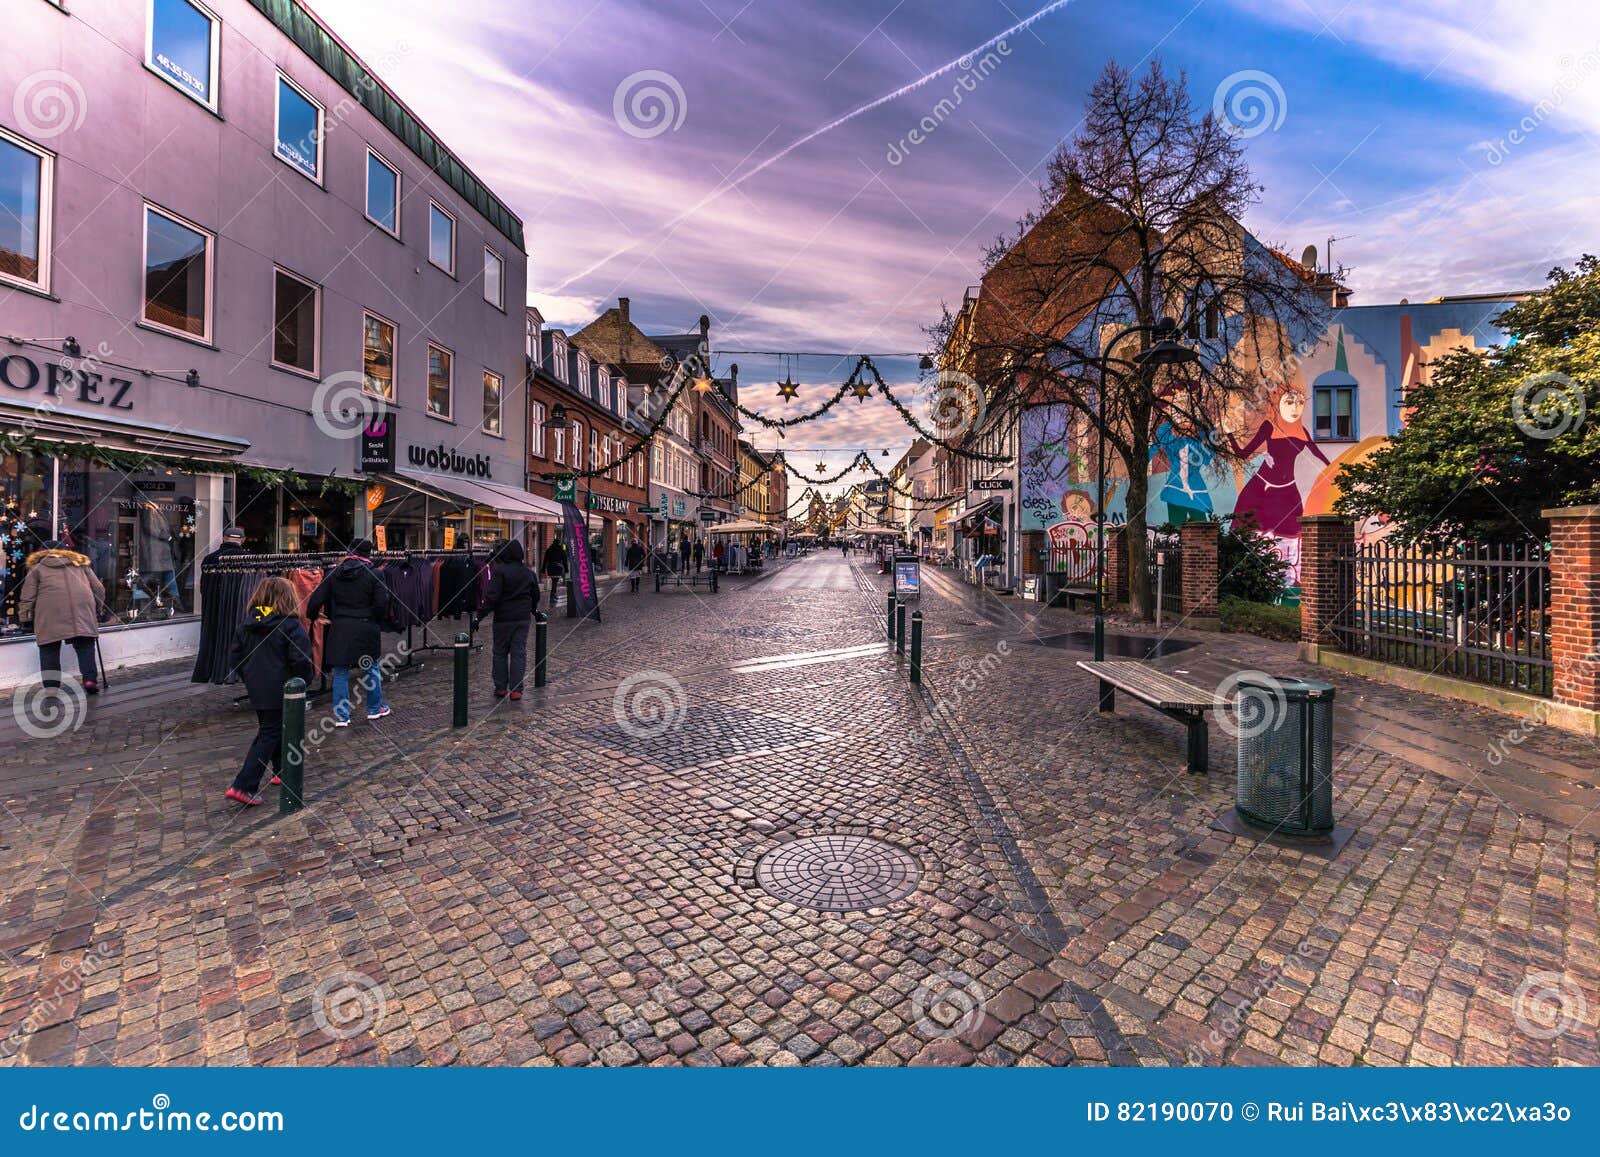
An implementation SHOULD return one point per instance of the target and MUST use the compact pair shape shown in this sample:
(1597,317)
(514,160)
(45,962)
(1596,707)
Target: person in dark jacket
(512,597)
(684,550)
(232,543)
(699,555)
(635,562)
(270,648)
(61,600)
(357,604)
(555,564)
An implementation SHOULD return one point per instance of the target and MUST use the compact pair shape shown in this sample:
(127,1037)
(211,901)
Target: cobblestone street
(593,875)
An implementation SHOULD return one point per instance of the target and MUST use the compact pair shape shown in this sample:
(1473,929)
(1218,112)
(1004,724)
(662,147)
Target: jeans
(50,660)
(372,681)
(510,655)
(267,748)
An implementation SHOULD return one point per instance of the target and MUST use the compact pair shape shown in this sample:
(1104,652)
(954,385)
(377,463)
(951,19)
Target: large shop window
(287,518)
(378,356)
(299,138)
(182,48)
(25,176)
(177,274)
(440,366)
(383,193)
(294,327)
(491,403)
(441,238)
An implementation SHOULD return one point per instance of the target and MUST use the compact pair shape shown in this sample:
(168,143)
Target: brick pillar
(1199,569)
(1033,552)
(1575,604)
(1323,537)
(1116,564)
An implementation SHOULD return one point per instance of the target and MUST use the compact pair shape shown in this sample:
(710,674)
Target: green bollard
(900,629)
(463,653)
(291,795)
(572,601)
(916,646)
(541,646)
(888,616)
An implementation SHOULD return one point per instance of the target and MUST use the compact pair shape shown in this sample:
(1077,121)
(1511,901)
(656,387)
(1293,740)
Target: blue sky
(1393,133)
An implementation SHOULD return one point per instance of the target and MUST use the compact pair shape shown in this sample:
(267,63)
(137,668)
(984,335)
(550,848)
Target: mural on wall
(1339,402)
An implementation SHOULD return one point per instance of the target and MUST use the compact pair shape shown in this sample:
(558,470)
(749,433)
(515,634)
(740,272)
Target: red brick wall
(1117,564)
(1199,541)
(1322,538)
(1575,604)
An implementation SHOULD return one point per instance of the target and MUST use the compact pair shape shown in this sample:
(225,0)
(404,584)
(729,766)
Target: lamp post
(1166,350)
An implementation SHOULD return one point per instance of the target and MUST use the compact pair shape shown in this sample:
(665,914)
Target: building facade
(229,253)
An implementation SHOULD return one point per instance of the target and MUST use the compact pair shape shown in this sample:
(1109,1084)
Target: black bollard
(900,629)
(916,646)
(888,617)
(291,795)
(541,646)
(463,653)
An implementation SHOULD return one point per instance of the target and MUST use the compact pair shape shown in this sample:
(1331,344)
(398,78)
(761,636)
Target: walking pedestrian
(635,561)
(357,604)
(684,550)
(555,564)
(699,555)
(62,598)
(512,597)
(269,649)
(716,556)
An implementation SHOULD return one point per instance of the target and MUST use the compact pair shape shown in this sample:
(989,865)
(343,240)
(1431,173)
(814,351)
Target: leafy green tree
(1497,435)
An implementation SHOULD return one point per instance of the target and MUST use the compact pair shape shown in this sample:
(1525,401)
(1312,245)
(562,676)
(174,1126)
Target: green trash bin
(1285,755)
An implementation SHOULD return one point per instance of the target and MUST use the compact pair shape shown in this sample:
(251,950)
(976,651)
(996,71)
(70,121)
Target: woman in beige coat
(61,597)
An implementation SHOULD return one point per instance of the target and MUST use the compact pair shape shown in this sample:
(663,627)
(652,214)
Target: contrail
(912,86)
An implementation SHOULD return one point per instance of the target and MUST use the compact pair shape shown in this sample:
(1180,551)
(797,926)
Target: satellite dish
(1309,258)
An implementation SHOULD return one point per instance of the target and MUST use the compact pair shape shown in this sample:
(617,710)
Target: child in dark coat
(270,649)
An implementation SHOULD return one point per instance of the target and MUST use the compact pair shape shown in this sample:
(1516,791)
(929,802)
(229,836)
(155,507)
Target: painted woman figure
(1271,495)
(1185,492)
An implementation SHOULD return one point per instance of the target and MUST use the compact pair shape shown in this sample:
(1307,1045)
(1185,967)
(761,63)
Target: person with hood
(555,563)
(357,603)
(635,562)
(62,598)
(684,550)
(270,648)
(699,555)
(512,597)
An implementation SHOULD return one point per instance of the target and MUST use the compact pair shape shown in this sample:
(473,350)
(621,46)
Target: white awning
(503,500)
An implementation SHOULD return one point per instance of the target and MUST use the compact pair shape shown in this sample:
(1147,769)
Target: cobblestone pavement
(584,877)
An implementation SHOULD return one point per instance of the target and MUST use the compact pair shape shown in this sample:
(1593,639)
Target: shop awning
(61,425)
(504,501)
(743,526)
(982,510)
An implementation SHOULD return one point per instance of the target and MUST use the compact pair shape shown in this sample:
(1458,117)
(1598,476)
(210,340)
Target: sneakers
(90,687)
(238,796)
(516,696)
(384,713)
(341,723)
(276,782)
(499,692)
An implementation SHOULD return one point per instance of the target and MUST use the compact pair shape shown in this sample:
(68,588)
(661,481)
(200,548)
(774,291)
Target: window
(439,370)
(1334,416)
(441,238)
(177,275)
(577,445)
(25,176)
(494,279)
(383,194)
(299,135)
(535,350)
(583,384)
(295,303)
(594,448)
(378,356)
(558,358)
(536,432)
(182,48)
(491,403)
(560,449)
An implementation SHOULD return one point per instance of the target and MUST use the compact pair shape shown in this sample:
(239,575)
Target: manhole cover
(839,873)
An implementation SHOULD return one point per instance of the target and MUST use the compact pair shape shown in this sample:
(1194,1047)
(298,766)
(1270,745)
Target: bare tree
(1138,225)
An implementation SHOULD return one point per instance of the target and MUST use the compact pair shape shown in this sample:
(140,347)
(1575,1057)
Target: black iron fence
(1164,557)
(1480,612)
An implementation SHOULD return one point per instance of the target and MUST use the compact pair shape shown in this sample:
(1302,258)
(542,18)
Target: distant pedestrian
(61,598)
(512,597)
(357,604)
(699,555)
(232,543)
(635,561)
(555,564)
(269,649)
(716,555)
(684,550)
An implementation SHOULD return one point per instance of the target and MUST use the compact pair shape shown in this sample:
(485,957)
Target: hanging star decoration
(861,390)
(788,388)
(822,467)
(703,383)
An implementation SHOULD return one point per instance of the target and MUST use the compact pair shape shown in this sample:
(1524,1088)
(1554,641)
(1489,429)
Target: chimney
(627,332)
(622,307)
(705,333)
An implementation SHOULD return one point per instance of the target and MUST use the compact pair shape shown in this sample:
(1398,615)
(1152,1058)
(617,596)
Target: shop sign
(1030,588)
(708,516)
(680,508)
(442,457)
(377,442)
(375,497)
(449,538)
(566,488)
(991,484)
(607,503)
(649,510)
(91,389)
(380,538)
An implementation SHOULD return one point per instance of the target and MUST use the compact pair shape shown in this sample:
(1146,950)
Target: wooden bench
(706,578)
(1174,698)
(1073,594)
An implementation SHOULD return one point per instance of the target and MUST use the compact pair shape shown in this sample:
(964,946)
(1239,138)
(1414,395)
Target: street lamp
(1165,350)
